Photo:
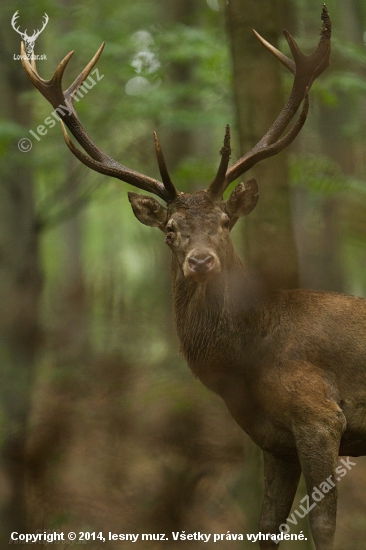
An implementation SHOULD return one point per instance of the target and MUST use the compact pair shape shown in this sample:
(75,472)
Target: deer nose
(201,264)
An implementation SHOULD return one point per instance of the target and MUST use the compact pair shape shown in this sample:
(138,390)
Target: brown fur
(271,356)
(290,365)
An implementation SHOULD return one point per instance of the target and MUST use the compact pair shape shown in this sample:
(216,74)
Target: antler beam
(306,69)
(97,159)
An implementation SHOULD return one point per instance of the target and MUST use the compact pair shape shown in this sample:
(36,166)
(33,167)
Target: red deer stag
(289,364)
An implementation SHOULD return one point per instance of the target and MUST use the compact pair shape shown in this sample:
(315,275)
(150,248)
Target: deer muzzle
(201,265)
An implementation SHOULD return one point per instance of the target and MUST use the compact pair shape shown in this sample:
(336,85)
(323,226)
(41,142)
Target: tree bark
(270,244)
(20,285)
(269,239)
(180,141)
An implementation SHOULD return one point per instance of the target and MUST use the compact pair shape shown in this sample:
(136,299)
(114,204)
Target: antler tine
(217,185)
(306,69)
(33,63)
(289,64)
(254,156)
(71,91)
(168,184)
(118,171)
(62,102)
(50,89)
(46,19)
(13,21)
(38,31)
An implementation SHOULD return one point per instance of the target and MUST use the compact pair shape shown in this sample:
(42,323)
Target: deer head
(29,40)
(196,225)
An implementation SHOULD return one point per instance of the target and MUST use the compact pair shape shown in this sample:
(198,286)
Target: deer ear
(242,200)
(148,210)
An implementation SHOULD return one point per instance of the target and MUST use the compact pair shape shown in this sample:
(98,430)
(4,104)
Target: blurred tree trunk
(179,483)
(270,243)
(50,437)
(341,151)
(319,241)
(352,20)
(320,246)
(181,138)
(20,286)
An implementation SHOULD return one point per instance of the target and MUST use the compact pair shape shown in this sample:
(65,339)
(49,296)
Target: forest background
(103,427)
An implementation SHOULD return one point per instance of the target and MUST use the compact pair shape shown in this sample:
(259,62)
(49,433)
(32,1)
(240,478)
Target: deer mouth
(201,266)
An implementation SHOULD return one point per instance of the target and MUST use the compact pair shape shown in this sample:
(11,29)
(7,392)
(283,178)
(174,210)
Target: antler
(306,69)
(97,159)
(13,21)
(38,32)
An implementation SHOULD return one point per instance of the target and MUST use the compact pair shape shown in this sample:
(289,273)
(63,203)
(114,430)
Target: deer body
(291,376)
(273,364)
(273,356)
(290,365)
(290,373)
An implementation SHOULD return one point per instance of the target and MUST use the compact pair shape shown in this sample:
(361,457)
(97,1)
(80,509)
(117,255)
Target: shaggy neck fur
(207,313)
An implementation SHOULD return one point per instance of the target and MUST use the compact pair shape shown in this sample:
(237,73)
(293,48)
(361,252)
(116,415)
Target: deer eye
(170,234)
(226,222)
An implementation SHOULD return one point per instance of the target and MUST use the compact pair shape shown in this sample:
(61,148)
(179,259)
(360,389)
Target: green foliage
(169,76)
(136,94)
(9,132)
(207,92)
(321,175)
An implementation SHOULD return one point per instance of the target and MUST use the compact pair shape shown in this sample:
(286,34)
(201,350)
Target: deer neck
(206,313)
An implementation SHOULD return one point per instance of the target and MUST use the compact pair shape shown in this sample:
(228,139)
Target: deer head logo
(28,40)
